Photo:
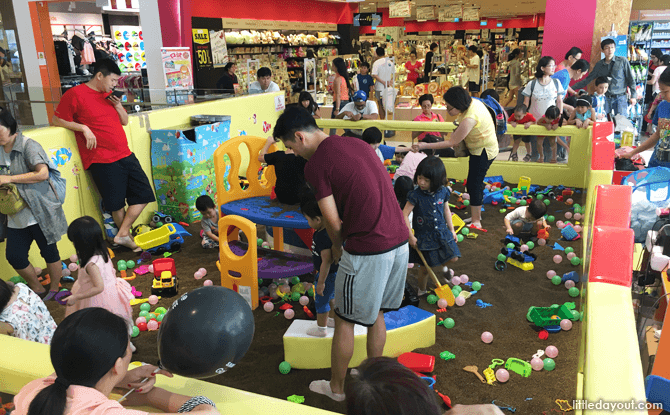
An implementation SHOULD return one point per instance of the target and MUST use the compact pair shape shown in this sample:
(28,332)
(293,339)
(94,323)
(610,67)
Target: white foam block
(299,329)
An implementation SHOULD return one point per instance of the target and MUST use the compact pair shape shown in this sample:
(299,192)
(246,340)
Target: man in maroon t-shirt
(97,118)
(360,209)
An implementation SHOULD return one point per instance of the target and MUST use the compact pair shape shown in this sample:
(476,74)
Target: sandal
(50,296)
(526,158)
(540,160)
(514,157)
(61,296)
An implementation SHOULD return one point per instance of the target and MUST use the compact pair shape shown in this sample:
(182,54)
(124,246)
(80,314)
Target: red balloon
(142,326)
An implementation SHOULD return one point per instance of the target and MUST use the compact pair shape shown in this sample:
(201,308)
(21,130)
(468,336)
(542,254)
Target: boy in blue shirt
(324,293)
(599,99)
(364,80)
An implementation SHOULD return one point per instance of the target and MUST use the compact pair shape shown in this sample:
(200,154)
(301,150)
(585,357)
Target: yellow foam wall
(252,115)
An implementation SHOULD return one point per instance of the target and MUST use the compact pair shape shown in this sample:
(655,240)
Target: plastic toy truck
(162,217)
(161,240)
(165,278)
(549,316)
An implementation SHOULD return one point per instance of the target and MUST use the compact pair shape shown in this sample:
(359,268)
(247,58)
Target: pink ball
(73,258)
(488,187)
(151,269)
(66,272)
(202,271)
(487,337)
(569,201)
(442,303)
(571,255)
(568,215)
(566,324)
(558,259)
(578,228)
(208,283)
(551,351)
(569,284)
(536,363)
(152,325)
(541,241)
(140,320)
(551,274)
(153,300)
(285,289)
(268,306)
(578,216)
(451,271)
(460,301)
(465,196)
(502,375)
(304,300)
(197,275)
(464,279)
(559,223)
(456,280)
(289,314)
(73,267)
(523,248)
(38,270)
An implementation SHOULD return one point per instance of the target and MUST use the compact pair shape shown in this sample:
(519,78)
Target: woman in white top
(664,63)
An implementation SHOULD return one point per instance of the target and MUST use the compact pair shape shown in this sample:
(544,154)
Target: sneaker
(51,296)
(330,323)
(467,220)
(316,332)
(421,293)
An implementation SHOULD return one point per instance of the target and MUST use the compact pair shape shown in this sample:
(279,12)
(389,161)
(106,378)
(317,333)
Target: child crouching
(209,222)
(527,219)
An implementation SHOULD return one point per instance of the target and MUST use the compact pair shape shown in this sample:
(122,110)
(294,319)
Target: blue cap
(360,96)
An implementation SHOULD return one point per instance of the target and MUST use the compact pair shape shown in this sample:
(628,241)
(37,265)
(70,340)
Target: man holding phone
(94,112)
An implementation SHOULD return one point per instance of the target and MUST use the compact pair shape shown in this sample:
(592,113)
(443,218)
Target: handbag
(11,201)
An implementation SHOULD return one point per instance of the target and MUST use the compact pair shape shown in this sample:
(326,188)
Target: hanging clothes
(87,54)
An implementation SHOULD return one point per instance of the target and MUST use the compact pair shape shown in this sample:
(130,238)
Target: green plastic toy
(569,249)
(575,261)
(160,317)
(466,203)
(510,246)
(518,366)
(524,202)
(17,279)
(144,313)
(130,264)
(502,257)
(542,316)
(551,219)
(295,280)
(465,231)
(295,296)
(160,310)
(296,399)
(574,292)
(556,280)
(476,286)
(459,238)
(540,197)
(259,242)
(449,323)
(547,202)
(432,299)
(136,332)
(549,364)
(530,244)
(284,368)
(447,355)
(145,307)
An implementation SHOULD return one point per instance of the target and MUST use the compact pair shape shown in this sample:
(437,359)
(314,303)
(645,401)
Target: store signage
(450,13)
(177,71)
(367,19)
(202,48)
(425,13)
(400,9)
(275,25)
(470,14)
(499,24)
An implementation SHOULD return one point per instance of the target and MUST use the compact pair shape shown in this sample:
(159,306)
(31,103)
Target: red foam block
(417,362)
(612,206)
(612,255)
(602,155)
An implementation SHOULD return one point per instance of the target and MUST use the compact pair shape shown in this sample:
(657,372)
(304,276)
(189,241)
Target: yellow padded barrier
(22,361)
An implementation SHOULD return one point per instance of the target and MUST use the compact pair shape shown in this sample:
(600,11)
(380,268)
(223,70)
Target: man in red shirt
(360,209)
(97,118)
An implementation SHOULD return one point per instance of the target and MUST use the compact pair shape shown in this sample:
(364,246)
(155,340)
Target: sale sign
(202,48)
(177,70)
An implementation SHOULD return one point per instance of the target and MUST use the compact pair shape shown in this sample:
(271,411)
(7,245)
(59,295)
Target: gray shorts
(367,284)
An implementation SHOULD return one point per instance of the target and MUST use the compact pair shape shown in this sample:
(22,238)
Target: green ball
(575,315)
(295,280)
(540,197)
(466,203)
(160,317)
(574,292)
(510,246)
(551,219)
(136,332)
(502,257)
(556,280)
(524,202)
(310,292)
(502,210)
(515,190)
(130,264)
(512,199)
(259,241)
(530,244)
(432,299)
(449,323)
(160,310)
(144,313)
(295,296)
(549,364)
(456,290)
(547,202)
(284,368)
(476,286)
(465,231)
(575,261)
(121,265)
(459,238)
(145,307)
(159,224)
(569,249)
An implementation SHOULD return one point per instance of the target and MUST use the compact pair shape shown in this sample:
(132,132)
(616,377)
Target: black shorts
(121,181)
(524,138)
(473,86)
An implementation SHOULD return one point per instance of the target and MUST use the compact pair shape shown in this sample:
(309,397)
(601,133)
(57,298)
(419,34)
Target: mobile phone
(117,94)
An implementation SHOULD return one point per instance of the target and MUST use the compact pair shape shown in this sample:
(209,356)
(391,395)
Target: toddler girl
(583,115)
(551,120)
(434,233)
(23,314)
(97,284)
(307,101)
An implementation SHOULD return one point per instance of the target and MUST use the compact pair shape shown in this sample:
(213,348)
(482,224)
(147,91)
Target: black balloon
(205,332)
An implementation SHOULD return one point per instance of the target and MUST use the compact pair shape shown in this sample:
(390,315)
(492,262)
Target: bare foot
(128,242)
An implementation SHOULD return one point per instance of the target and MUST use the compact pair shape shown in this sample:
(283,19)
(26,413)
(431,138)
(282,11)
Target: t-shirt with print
(599,106)
(365,82)
(348,169)
(543,97)
(209,225)
(661,156)
(320,242)
(86,106)
(369,109)
(25,217)
(290,172)
(563,77)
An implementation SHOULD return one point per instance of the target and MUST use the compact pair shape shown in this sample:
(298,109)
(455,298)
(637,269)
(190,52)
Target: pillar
(565,28)
(609,12)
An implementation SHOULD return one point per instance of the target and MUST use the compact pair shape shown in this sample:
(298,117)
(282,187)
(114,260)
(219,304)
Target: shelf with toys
(639,50)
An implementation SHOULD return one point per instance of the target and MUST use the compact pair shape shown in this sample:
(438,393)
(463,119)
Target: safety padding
(406,329)
(613,206)
(602,155)
(22,361)
(612,369)
(611,256)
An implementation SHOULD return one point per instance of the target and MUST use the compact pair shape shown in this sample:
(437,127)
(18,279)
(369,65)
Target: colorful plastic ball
(578,216)
(145,307)
(259,241)
(284,368)
(202,271)
(541,241)
(304,300)
(66,272)
(530,244)
(488,187)
(455,291)
(556,280)
(536,363)
(442,303)
(310,292)
(160,317)
(465,231)
(578,228)
(502,375)
(549,364)
(571,255)
(510,246)
(551,274)
(502,257)
(524,202)
(152,325)
(476,286)
(449,323)
(274,295)
(265,245)
(139,320)
(465,196)
(460,301)
(459,238)
(130,264)
(197,275)
(295,280)
(466,203)
(573,292)
(568,215)
(120,263)
(557,259)
(551,218)
(153,300)
(285,289)
(432,299)
(566,324)
(207,283)
(513,199)
(73,267)
(487,337)
(295,296)
(569,202)
(269,306)
(456,281)
(73,258)
(551,351)
(160,310)
(560,224)
(547,202)
(569,249)
(575,261)
(523,248)
(136,332)
(151,269)
(543,334)
(540,197)
(144,313)
(464,278)
(569,284)
(142,326)
(289,314)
